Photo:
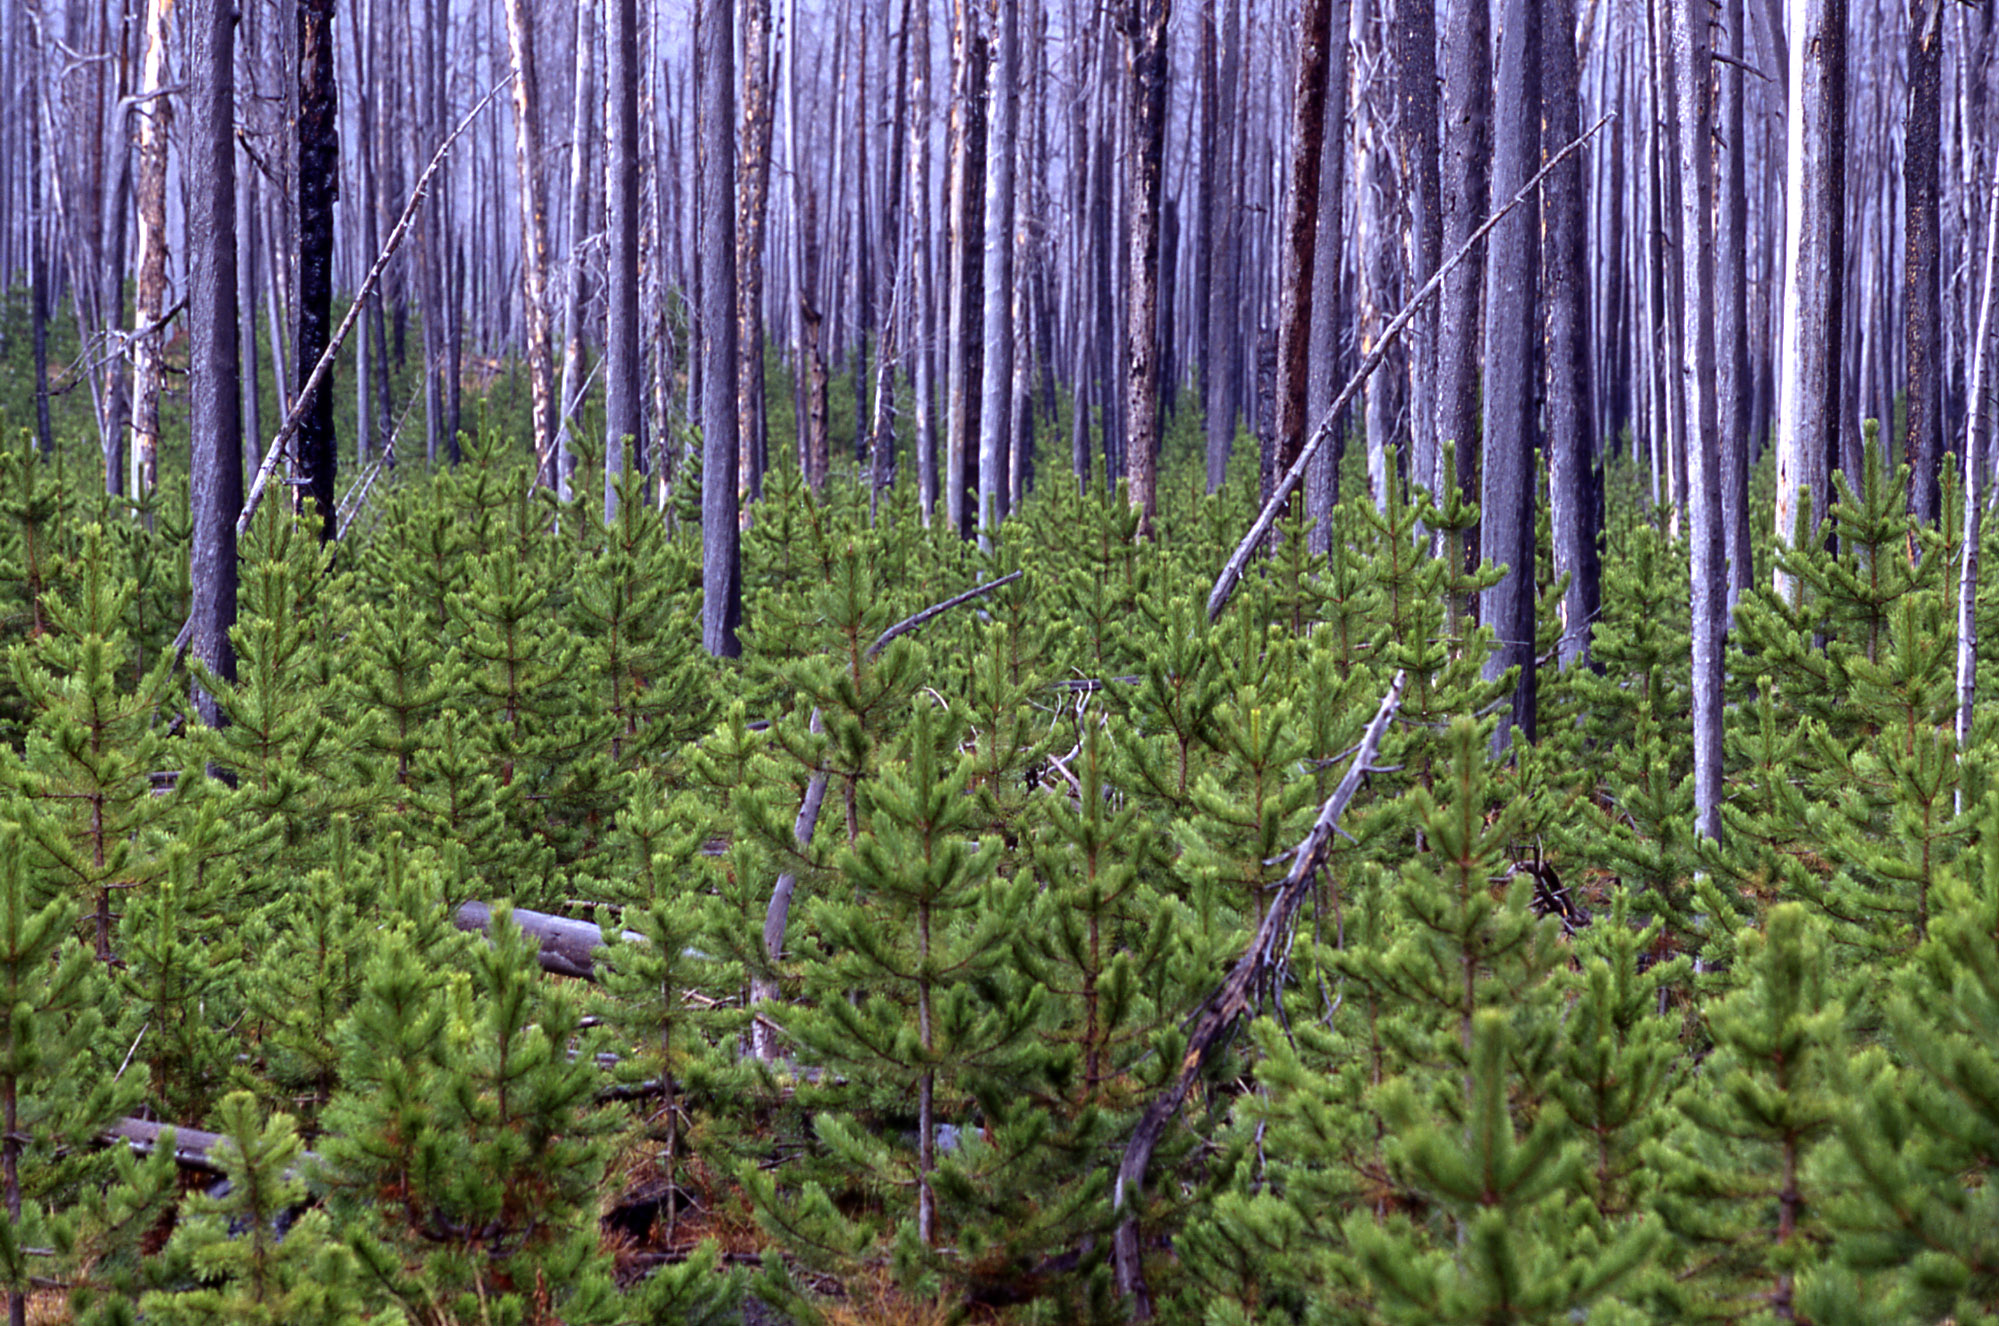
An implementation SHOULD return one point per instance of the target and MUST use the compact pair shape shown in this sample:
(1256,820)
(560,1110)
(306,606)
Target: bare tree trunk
(318,138)
(721,565)
(534,235)
(1221,398)
(921,313)
(1975,466)
(1814,263)
(38,240)
(624,361)
(1733,388)
(1467,148)
(1328,326)
(1572,506)
(581,134)
(752,206)
(148,365)
(965,364)
(1316,35)
(216,462)
(1924,287)
(1692,61)
(1416,80)
(1145,38)
(996,395)
(1506,522)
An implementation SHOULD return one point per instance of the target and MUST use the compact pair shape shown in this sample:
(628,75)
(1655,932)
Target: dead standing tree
(534,234)
(1144,23)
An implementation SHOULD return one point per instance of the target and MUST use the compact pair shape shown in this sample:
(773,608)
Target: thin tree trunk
(148,365)
(752,206)
(1416,81)
(582,133)
(721,566)
(534,235)
(624,363)
(1572,503)
(1145,37)
(1692,61)
(1814,223)
(1733,388)
(216,461)
(318,138)
(1506,522)
(1974,480)
(1221,397)
(1466,155)
(966,362)
(1316,35)
(996,394)
(924,436)
(1923,327)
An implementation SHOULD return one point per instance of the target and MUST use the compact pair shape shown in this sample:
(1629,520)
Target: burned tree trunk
(1145,40)
(534,235)
(318,147)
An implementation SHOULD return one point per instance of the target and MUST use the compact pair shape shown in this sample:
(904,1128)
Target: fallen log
(1231,1000)
(568,948)
(192,1147)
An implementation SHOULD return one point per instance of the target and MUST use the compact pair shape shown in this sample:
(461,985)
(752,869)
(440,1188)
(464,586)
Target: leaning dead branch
(1252,972)
(296,415)
(1232,571)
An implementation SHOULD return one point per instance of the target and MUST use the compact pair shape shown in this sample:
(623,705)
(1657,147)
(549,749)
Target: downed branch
(1232,570)
(1252,971)
(192,1148)
(568,948)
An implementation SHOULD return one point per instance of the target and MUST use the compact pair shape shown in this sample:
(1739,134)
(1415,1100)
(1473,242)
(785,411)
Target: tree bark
(1416,80)
(582,132)
(148,365)
(1814,266)
(721,565)
(1221,374)
(1692,61)
(1145,39)
(996,394)
(1733,388)
(753,205)
(1572,506)
(924,433)
(534,235)
(318,189)
(1463,190)
(1923,324)
(1301,228)
(1506,522)
(216,461)
(624,360)
(965,360)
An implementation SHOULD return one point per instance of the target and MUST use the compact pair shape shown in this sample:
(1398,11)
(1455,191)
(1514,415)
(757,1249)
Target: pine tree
(254,1262)
(917,1000)
(57,1090)
(1740,1191)
(85,777)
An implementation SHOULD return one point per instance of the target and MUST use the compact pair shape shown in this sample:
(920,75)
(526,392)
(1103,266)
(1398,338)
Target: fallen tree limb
(568,948)
(1232,570)
(192,1148)
(1232,999)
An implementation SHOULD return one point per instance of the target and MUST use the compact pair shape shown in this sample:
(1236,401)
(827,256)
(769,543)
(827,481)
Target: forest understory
(1529,1047)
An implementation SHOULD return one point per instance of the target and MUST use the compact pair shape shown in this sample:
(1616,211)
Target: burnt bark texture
(1733,388)
(318,148)
(534,234)
(1923,292)
(1463,192)
(753,205)
(1145,55)
(1301,233)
